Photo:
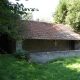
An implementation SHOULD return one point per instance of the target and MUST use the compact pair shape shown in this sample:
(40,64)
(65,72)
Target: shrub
(20,54)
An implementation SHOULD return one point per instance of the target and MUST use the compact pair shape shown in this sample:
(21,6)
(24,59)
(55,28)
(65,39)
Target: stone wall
(19,45)
(43,57)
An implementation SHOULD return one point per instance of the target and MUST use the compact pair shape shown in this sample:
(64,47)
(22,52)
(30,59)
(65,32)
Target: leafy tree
(68,12)
(9,14)
(10,17)
(61,12)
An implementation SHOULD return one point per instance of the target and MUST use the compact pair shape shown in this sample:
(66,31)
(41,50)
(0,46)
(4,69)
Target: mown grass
(12,68)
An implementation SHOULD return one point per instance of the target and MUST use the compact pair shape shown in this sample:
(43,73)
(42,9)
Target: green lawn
(60,69)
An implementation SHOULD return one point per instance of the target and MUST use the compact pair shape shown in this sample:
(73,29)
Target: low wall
(43,57)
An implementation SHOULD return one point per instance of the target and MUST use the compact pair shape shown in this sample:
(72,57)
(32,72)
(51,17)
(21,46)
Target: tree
(10,17)
(60,12)
(68,12)
(9,14)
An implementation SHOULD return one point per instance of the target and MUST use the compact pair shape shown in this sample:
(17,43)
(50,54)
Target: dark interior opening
(72,44)
(6,45)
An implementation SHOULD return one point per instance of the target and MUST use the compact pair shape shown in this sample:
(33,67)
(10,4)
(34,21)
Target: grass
(12,68)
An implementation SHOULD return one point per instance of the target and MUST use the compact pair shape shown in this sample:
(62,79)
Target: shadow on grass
(61,69)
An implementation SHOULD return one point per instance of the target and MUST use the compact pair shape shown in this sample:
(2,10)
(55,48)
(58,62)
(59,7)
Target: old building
(42,37)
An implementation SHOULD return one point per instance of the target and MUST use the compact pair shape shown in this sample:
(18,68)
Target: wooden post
(28,57)
(55,45)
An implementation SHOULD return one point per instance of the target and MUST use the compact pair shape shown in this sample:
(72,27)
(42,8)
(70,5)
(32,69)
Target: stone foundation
(43,57)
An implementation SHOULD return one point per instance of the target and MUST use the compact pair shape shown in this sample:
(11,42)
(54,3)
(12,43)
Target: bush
(21,54)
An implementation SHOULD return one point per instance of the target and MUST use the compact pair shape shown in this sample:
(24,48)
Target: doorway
(6,45)
(72,44)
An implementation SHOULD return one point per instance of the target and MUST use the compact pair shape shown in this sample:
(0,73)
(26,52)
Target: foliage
(28,16)
(44,20)
(61,12)
(32,9)
(68,12)
(20,54)
(9,14)
(12,68)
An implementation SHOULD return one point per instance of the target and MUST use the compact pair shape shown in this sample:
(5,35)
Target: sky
(46,8)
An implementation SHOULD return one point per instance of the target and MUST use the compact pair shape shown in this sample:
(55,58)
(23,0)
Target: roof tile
(42,30)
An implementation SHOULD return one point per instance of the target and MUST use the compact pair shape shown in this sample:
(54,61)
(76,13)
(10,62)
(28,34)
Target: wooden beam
(55,45)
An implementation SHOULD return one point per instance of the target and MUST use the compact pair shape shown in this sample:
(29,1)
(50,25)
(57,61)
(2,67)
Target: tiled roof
(42,30)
